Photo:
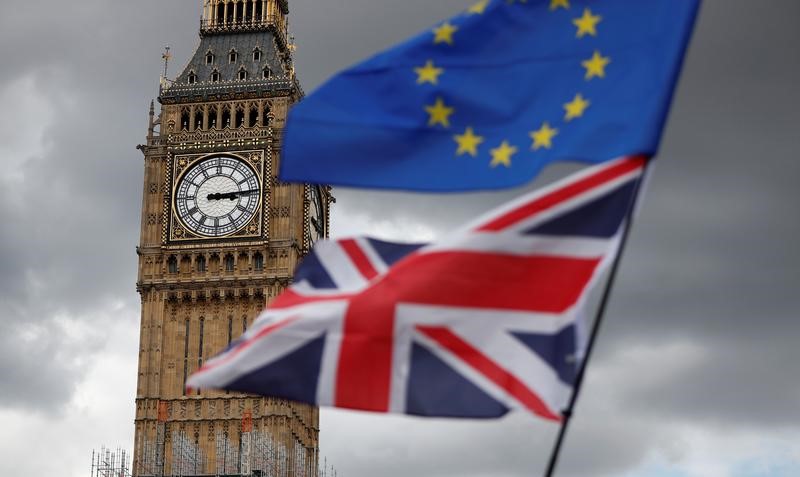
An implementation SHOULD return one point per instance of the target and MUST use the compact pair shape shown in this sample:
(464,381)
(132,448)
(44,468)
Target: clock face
(217,196)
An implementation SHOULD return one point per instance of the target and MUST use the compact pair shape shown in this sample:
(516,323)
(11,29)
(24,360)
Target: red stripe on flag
(363,379)
(486,280)
(359,258)
(489,369)
(565,193)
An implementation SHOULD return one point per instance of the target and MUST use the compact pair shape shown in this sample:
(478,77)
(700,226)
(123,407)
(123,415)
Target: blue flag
(489,97)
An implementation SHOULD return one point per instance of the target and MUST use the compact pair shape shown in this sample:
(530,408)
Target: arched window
(242,74)
(212,117)
(201,264)
(220,12)
(259,11)
(209,58)
(253,118)
(215,76)
(233,56)
(226,117)
(267,73)
(229,263)
(185,119)
(198,119)
(257,54)
(172,264)
(258,262)
(239,117)
(192,78)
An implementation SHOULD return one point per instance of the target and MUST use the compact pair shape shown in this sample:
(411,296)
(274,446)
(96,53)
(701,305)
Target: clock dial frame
(317,216)
(217,196)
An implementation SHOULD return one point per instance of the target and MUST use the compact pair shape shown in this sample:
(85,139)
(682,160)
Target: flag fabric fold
(477,324)
(489,97)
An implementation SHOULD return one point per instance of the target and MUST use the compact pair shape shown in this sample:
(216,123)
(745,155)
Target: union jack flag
(480,323)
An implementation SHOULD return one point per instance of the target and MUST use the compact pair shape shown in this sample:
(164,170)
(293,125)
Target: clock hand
(231,195)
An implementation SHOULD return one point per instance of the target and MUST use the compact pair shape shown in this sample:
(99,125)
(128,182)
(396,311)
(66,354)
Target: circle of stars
(469,142)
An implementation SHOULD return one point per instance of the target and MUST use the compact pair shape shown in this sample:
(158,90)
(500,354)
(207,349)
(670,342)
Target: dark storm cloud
(70,218)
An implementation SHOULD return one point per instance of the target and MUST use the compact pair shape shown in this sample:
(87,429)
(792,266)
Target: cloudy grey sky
(696,373)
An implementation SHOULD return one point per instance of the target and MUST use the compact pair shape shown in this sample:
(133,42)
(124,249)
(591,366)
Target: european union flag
(489,97)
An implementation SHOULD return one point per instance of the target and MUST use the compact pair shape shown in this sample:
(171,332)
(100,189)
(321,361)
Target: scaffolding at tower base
(108,463)
(256,454)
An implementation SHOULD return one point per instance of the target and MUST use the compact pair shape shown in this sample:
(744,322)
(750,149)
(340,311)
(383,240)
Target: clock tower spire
(220,237)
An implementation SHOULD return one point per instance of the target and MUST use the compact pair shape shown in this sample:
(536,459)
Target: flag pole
(601,309)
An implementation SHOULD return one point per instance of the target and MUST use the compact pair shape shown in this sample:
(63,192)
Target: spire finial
(166,56)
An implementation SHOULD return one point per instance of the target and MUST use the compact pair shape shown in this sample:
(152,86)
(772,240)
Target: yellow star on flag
(555,4)
(543,137)
(596,66)
(439,113)
(468,143)
(428,73)
(587,24)
(502,155)
(478,8)
(444,33)
(576,107)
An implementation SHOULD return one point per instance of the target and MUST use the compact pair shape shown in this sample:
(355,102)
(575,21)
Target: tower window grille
(253,118)
(172,265)
(200,346)
(226,117)
(228,263)
(259,11)
(185,355)
(258,262)
(212,117)
(201,264)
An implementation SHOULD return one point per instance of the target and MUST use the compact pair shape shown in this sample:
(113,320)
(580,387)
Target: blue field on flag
(487,98)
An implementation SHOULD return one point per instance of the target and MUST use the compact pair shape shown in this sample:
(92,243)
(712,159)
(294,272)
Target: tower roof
(243,50)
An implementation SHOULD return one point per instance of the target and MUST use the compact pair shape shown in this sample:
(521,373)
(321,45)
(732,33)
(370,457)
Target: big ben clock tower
(220,236)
